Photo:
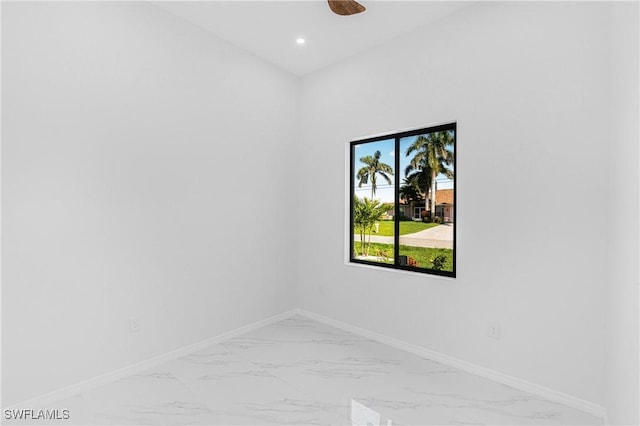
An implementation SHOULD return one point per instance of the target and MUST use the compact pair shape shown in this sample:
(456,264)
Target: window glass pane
(373,181)
(427,201)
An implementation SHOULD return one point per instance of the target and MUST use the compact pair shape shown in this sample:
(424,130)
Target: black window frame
(396,235)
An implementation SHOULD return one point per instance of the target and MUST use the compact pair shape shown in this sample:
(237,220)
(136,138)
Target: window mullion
(396,216)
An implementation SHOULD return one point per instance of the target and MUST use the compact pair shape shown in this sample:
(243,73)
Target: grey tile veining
(153,397)
(298,371)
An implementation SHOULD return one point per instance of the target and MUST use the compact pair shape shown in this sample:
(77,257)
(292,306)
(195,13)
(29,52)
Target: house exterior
(444,207)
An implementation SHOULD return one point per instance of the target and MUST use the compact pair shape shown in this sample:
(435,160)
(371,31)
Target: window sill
(398,271)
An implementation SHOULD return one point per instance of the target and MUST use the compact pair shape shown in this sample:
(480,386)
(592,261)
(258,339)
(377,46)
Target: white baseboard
(515,382)
(72,390)
(544,392)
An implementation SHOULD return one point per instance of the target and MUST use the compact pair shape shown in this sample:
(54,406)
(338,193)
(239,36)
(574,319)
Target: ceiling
(269,29)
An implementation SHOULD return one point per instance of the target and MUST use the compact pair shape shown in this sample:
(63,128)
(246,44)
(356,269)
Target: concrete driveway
(440,236)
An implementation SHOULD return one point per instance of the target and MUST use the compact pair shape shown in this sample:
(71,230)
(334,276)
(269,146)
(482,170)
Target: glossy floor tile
(302,372)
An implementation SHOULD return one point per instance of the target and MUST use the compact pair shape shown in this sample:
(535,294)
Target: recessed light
(300,41)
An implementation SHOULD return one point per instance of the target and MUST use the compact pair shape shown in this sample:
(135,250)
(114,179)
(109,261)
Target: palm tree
(370,171)
(410,191)
(419,176)
(366,213)
(431,157)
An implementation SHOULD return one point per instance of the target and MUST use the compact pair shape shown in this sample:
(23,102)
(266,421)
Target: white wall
(141,177)
(130,139)
(528,84)
(622,357)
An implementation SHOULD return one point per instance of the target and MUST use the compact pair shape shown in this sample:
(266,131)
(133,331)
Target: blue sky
(384,192)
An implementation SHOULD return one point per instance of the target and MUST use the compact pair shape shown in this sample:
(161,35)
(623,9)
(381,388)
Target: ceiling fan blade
(346,7)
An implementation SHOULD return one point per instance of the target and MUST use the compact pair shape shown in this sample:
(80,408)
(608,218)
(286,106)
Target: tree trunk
(427,196)
(373,187)
(433,198)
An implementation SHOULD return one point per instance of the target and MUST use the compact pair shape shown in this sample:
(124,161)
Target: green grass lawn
(422,255)
(406,227)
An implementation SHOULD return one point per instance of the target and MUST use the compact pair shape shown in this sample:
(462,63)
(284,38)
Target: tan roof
(444,196)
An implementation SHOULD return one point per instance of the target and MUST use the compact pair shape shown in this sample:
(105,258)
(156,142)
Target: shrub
(383,254)
(426,216)
(403,218)
(438,262)
(438,220)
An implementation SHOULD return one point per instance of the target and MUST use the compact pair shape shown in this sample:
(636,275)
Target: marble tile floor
(298,371)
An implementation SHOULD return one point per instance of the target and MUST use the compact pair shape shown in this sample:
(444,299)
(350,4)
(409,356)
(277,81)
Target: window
(403,200)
